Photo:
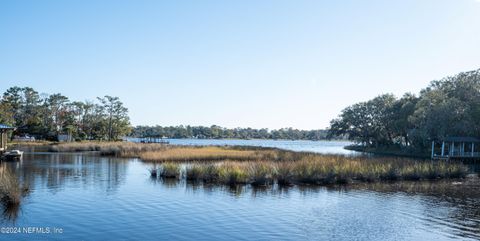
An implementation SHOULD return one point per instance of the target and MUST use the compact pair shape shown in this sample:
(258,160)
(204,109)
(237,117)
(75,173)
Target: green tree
(57,107)
(447,107)
(117,120)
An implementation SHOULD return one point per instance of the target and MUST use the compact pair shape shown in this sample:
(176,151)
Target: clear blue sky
(236,63)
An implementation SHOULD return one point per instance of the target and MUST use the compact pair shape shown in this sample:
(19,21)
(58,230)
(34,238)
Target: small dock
(4,137)
(12,155)
(456,148)
(158,140)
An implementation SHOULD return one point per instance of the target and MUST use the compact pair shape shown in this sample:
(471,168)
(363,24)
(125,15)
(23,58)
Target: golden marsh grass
(264,166)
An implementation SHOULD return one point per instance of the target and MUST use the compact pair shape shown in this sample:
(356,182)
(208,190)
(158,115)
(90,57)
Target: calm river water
(326,147)
(89,197)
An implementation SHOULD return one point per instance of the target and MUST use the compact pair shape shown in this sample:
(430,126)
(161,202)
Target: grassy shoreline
(265,166)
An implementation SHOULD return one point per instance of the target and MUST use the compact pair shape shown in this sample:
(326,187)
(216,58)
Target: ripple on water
(97,198)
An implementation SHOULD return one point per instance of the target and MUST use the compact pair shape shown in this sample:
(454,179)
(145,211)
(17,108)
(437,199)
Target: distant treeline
(48,116)
(217,132)
(447,107)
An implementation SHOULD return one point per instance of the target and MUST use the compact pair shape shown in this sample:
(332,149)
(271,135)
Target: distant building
(64,138)
(25,138)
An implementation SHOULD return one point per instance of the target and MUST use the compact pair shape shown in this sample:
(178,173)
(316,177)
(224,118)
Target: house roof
(462,139)
(3,126)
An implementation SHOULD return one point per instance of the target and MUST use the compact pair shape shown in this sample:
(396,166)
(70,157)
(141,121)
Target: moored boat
(13,155)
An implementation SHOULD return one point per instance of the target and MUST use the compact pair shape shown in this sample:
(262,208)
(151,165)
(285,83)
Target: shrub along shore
(266,166)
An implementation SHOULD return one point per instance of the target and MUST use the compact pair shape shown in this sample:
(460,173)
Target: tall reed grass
(170,170)
(11,193)
(322,171)
(187,154)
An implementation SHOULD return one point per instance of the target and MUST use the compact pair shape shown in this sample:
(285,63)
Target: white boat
(13,155)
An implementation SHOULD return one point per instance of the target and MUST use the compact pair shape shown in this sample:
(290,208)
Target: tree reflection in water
(54,171)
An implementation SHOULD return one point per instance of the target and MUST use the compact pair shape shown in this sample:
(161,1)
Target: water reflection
(451,208)
(55,171)
(461,218)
